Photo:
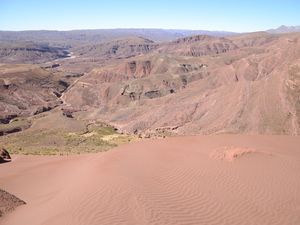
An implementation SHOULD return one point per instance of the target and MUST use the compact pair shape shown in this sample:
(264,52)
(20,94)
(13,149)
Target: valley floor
(221,179)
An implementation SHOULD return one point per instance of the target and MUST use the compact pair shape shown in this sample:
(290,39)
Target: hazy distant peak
(284,29)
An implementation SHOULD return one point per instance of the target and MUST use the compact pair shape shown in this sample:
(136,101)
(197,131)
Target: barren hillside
(201,84)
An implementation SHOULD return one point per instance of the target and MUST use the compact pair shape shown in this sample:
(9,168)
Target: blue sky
(239,16)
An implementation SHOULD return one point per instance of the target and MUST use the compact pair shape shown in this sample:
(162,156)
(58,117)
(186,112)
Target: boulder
(4,155)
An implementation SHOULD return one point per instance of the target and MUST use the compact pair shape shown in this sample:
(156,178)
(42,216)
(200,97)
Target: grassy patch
(97,138)
(15,125)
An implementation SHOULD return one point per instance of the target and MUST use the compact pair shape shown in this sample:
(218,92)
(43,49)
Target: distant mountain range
(75,37)
(101,35)
(284,29)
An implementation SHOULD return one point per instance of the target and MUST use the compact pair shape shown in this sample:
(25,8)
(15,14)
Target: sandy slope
(225,179)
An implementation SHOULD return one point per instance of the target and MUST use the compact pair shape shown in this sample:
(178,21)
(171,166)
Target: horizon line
(147,28)
(132,28)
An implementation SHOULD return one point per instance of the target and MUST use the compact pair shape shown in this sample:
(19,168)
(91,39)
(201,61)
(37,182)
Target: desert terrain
(150,126)
(218,179)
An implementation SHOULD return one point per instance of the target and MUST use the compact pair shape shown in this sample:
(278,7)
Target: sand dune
(182,180)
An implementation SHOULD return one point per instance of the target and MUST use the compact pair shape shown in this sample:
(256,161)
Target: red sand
(224,179)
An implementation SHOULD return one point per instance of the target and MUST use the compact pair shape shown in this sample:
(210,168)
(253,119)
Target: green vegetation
(97,138)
